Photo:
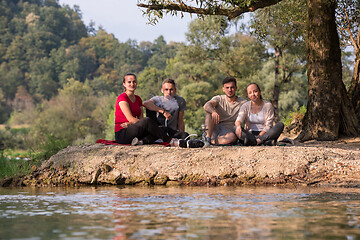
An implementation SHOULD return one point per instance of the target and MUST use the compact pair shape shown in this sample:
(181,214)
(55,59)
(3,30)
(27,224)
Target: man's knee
(227,138)
(232,137)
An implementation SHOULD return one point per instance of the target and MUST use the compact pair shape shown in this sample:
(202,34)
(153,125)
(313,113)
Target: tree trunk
(276,90)
(354,91)
(329,111)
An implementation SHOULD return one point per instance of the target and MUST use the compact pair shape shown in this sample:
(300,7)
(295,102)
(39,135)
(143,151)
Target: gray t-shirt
(173,106)
(227,111)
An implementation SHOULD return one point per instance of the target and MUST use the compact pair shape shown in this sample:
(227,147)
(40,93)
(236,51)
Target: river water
(179,213)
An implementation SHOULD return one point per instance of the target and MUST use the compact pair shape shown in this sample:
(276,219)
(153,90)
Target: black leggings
(273,133)
(145,129)
(160,120)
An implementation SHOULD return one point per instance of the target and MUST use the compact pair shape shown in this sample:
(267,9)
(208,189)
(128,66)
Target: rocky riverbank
(334,163)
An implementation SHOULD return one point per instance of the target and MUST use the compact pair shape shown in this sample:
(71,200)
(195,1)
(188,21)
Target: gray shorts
(220,130)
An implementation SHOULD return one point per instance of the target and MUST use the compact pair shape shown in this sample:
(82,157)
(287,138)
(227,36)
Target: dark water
(179,213)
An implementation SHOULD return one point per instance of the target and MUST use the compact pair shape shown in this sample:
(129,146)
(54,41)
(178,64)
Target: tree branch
(217,10)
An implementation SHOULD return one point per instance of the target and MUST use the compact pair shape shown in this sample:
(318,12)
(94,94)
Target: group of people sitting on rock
(229,119)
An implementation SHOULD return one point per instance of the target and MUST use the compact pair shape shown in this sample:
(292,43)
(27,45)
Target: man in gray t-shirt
(168,110)
(221,113)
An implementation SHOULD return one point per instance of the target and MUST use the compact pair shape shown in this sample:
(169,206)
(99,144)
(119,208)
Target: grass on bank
(20,162)
(13,167)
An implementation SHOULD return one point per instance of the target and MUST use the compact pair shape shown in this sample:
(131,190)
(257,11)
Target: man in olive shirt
(221,113)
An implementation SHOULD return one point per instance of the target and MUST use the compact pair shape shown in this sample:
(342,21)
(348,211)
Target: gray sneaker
(136,142)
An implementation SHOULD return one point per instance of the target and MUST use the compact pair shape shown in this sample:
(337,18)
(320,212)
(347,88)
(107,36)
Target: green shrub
(49,147)
(13,138)
(109,130)
(299,114)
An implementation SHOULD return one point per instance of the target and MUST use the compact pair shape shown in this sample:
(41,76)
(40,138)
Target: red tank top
(135,108)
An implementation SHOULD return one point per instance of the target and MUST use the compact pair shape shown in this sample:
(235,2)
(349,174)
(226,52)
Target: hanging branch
(211,10)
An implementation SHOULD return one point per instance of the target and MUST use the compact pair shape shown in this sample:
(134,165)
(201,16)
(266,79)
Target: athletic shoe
(193,143)
(136,142)
(270,142)
(207,142)
(249,142)
(286,140)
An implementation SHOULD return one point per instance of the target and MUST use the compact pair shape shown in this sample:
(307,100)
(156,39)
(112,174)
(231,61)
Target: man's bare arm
(210,107)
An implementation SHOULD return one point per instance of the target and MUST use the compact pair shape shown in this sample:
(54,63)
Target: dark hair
(129,74)
(169,80)
(256,86)
(229,79)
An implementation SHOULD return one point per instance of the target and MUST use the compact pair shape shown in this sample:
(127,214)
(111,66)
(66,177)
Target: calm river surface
(179,213)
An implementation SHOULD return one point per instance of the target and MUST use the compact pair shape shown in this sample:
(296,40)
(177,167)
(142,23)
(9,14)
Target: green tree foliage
(348,22)
(30,31)
(282,27)
(150,80)
(24,112)
(241,55)
(161,52)
(196,94)
(293,94)
(42,79)
(3,107)
(105,107)
(10,78)
(211,55)
(68,115)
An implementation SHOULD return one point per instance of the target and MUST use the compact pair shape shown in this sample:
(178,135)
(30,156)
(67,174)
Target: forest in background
(59,78)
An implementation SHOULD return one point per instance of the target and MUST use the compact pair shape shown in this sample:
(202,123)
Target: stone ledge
(306,164)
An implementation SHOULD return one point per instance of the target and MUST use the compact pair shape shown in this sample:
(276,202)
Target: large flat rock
(321,163)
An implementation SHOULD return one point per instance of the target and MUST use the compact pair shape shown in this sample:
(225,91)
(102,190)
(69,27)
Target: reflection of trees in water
(331,214)
(252,216)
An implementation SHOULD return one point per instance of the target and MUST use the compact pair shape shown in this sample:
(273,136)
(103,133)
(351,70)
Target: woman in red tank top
(130,125)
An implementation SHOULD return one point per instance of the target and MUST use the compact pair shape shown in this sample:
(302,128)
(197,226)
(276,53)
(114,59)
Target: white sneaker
(136,141)
(174,142)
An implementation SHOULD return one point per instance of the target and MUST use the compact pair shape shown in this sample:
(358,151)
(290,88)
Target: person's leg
(248,138)
(155,116)
(150,114)
(124,136)
(273,133)
(151,131)
(209,123)
(179,135)
(223,135)
(226,139)
(145,129)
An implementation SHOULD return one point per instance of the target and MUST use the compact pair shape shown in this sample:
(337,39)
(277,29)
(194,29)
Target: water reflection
(180,213)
